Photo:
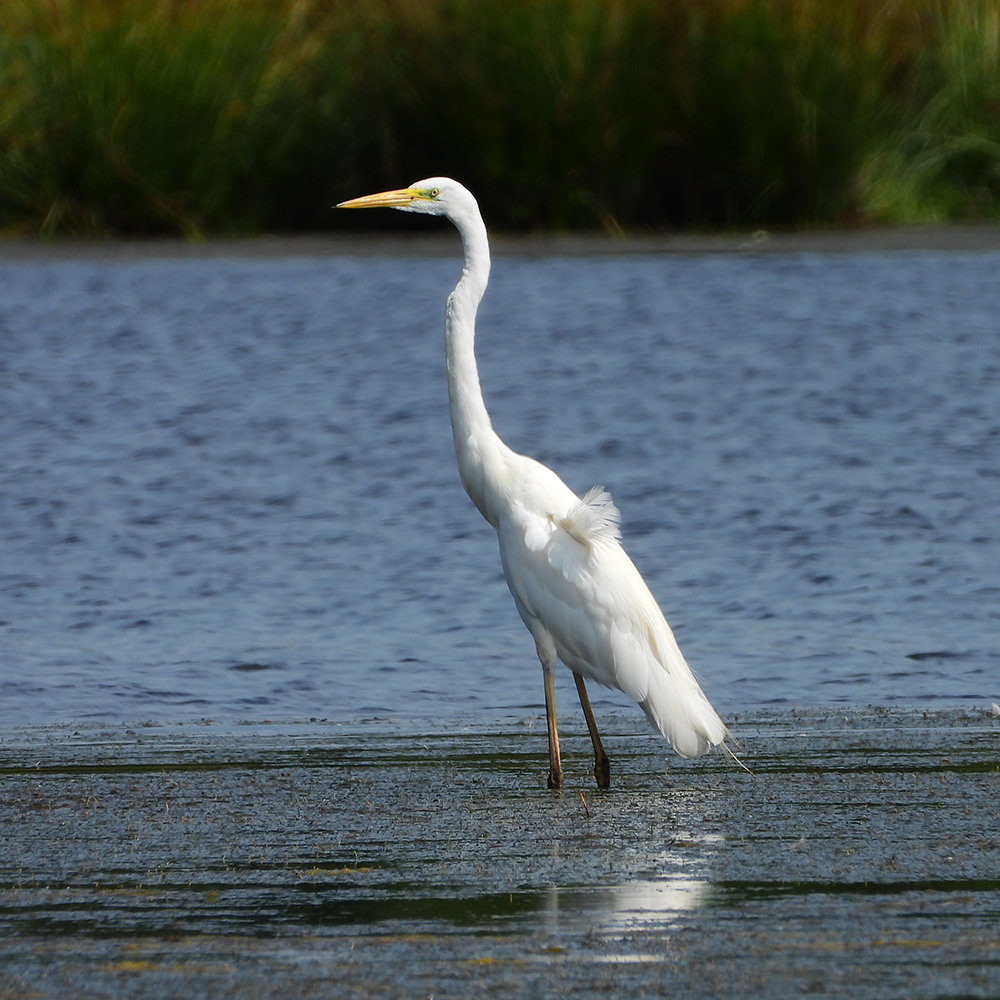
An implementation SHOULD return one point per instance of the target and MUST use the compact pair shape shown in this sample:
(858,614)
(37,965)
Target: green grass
(211,116)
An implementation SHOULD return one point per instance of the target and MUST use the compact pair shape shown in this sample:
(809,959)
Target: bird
(577,591)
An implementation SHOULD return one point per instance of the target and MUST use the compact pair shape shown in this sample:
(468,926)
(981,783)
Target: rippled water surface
(229,488)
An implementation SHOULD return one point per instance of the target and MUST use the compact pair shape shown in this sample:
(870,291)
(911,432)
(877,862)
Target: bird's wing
(570,576)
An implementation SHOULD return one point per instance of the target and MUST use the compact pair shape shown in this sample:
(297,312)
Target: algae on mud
(861,855)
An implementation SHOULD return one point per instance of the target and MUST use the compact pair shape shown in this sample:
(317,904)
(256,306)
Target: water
(229,488)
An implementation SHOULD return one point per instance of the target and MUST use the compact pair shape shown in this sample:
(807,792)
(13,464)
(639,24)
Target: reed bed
(200,116)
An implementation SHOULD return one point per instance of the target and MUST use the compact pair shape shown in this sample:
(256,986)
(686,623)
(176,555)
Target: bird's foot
(602,772)
(555,779)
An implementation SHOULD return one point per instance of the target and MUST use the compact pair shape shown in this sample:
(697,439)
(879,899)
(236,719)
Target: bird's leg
(602,766)
(555,764)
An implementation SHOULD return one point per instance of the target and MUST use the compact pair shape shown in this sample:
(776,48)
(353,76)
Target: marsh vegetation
(198,116)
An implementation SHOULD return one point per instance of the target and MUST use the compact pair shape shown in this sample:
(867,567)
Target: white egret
(579,594)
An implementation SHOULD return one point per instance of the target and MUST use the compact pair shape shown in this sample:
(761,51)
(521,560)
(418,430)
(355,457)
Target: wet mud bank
(861,857)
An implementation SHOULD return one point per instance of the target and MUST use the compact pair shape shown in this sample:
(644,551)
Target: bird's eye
(435,192)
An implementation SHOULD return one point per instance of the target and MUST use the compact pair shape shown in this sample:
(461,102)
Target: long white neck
(480,451)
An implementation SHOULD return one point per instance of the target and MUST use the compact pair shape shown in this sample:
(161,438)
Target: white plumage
(576,589)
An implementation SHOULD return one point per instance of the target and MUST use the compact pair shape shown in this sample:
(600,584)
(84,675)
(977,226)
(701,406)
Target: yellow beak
(386,199)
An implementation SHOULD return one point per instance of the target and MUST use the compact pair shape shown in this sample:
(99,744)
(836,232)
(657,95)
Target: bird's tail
(683,714)
(676,705)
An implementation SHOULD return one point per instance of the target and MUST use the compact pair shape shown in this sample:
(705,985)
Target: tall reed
(640,110)
(245,115)
(142,116)
(941,158)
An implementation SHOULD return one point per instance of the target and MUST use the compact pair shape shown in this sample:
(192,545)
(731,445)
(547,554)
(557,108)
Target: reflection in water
(643,905)
(646,905)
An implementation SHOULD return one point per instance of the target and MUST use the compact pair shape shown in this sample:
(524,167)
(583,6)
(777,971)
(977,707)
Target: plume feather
(594,518)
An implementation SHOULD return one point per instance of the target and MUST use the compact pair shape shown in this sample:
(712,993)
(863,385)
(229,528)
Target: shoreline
(965,238)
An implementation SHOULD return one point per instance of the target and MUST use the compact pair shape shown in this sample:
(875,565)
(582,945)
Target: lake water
(229,488)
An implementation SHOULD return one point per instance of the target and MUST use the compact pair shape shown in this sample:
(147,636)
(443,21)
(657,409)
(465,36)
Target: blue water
(229,489)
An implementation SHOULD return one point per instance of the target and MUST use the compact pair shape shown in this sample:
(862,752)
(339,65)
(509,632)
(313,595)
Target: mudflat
(858,856)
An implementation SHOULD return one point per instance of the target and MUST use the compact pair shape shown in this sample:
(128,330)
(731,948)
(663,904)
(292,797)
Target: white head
(432,196)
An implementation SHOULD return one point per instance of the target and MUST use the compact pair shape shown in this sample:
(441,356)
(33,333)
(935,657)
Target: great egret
(580,595)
